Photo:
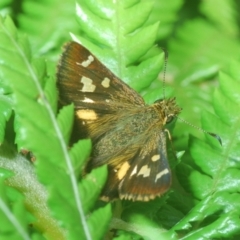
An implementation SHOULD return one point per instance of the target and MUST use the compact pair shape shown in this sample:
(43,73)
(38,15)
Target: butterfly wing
(112,115)
(144,176)
(95,91)
(85,81)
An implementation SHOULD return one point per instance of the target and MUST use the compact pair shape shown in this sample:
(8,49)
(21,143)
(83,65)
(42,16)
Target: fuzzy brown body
(122,131)
(127,134)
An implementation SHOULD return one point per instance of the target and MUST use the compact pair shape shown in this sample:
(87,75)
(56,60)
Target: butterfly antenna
(202,130)
(164,70)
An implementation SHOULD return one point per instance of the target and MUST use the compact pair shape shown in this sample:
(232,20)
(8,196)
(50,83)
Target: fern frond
(26,191)
(197,53)
(39,131)
(200,50)
(224,15)
(47,23)
(166,13)
(119,39)
(122,34)
(12,215)
(213,175)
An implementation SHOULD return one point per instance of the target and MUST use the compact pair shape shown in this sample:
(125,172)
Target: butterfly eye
(170,118)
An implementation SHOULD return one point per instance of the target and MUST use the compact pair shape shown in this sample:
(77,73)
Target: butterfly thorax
(122,134)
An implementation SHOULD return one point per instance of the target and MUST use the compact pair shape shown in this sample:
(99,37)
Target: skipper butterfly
(127,134)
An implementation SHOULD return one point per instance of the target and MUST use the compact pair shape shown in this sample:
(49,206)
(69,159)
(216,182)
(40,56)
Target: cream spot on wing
(134,171)
(107,100)
(86,114)
(123,170)
(87,85)
(105,198)
(160,174)
(145,171)
(87,62)
(155,157)
(106,82)
(87,100)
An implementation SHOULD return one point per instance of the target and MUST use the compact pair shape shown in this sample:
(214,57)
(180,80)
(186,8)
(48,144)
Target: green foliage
(212,177)
(12,214)
(120,48)
(39,131)
(47,199)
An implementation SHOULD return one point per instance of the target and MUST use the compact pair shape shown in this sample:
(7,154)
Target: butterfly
(127,134)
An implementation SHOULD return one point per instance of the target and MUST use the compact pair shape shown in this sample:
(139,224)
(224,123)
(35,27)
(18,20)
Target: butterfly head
(168,108)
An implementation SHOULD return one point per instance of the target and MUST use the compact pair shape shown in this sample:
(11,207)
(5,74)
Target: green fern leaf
(198,37)
(38,130)
(213,176)
(122,34)
(92,181)
(166,13)
(119,39)
(79,152)
(196,55)
(12,214)
(50,20)
(20,176)
(98,221)
(65,121)
(25,181)
(225,15)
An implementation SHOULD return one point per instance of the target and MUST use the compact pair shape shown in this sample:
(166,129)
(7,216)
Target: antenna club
(215,136)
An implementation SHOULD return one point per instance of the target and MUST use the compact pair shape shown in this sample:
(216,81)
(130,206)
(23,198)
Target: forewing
(85,81)
(145,176)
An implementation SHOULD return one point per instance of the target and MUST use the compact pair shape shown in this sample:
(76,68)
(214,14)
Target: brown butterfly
(127,135)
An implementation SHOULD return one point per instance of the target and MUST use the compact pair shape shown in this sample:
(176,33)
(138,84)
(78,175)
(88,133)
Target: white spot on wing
(160,174)
(87,62)
(87,100)
(87,85)
(106,82)
(145,171)
(155,157)
(134,171)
